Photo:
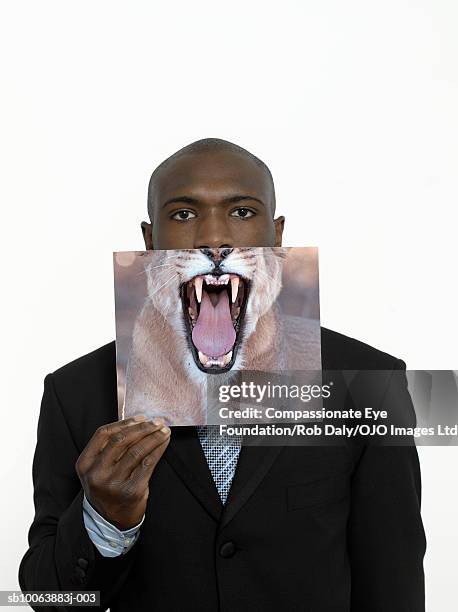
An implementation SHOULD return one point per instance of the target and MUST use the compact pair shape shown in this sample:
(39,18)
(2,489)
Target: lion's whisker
(164,284)
(262,273)
(147,268)
(161,266)
(164,315)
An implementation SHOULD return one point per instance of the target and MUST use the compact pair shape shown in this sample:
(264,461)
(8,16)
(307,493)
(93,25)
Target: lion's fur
(162,377)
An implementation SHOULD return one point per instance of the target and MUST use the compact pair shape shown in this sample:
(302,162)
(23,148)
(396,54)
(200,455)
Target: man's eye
(242,213)
(183,215)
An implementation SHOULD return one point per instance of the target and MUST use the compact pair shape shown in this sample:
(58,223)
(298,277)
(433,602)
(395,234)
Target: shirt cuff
(108,539)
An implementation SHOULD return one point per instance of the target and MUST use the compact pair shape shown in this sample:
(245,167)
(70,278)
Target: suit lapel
(185,455)
(254,462)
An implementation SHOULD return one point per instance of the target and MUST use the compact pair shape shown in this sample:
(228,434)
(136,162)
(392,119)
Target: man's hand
(116,465)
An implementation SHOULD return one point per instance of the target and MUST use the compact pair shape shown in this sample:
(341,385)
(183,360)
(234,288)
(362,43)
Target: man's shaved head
(211,194)
(208,146)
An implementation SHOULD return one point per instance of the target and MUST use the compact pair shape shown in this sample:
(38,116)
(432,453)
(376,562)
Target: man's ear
(147,230)
(279,224)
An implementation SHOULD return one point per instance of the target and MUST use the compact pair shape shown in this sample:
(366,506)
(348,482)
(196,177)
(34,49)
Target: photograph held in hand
(190,320)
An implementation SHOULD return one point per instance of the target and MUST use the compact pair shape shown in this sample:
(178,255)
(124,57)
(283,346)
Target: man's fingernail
(139,417)
(165,430)
(158,421)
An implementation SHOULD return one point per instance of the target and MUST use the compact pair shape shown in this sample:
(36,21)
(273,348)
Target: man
(143,514)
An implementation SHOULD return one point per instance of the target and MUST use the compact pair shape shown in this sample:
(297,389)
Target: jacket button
(80,573)
(83,563)
(227,549)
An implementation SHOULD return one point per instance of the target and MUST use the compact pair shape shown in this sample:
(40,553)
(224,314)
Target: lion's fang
(235,287)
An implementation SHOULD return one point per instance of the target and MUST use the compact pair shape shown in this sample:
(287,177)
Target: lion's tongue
(214,333)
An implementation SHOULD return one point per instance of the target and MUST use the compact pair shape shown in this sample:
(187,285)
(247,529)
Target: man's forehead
(212,174)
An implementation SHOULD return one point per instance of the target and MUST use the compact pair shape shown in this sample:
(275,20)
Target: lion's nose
(216,255)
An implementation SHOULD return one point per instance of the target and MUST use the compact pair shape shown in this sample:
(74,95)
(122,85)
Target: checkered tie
(222,452)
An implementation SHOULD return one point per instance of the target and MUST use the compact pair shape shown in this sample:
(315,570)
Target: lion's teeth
(198,286)
(234,287)
(216,280)
(219,361)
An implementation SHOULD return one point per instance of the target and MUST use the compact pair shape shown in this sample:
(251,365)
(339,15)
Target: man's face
(212,200)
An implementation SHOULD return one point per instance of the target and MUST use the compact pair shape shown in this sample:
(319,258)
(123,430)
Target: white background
(353,105)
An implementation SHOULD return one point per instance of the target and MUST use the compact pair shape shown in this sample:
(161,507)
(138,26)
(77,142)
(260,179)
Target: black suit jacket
(310,528)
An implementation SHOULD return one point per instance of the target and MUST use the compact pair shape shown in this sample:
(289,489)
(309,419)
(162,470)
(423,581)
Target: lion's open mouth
(214,307)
